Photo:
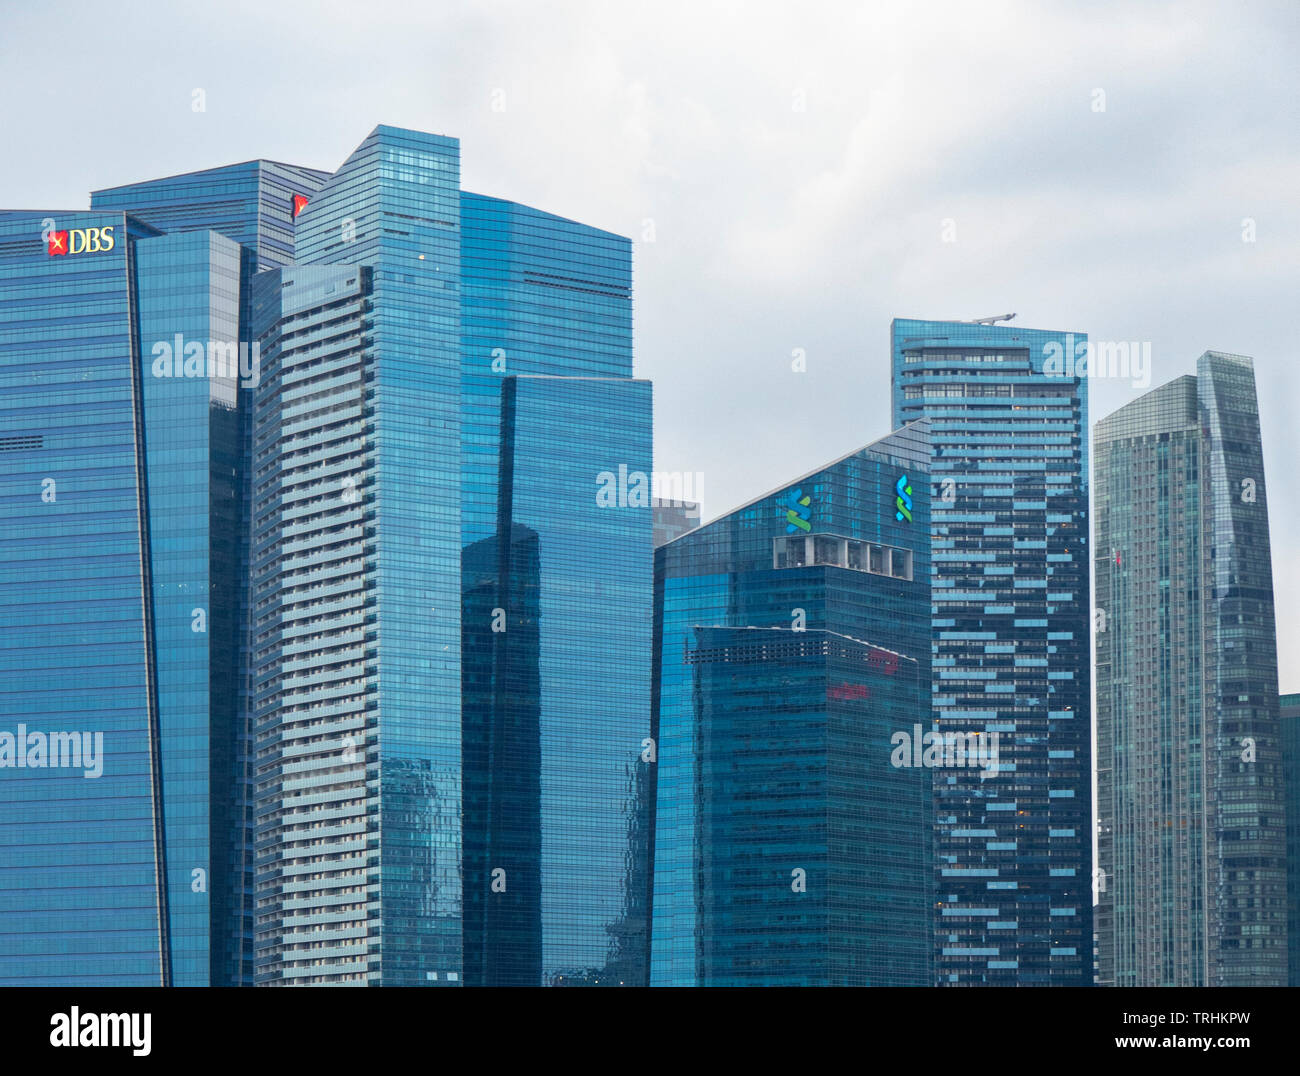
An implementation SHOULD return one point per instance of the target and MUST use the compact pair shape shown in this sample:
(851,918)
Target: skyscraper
(791,646)
(556,589)
(119,364)
(255,203)
(428,484)
(557,630)
(1191,804)
(1290,721)
(1010,646)
(356,553)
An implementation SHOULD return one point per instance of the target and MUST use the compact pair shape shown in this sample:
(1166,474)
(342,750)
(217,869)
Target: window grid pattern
(1011,644)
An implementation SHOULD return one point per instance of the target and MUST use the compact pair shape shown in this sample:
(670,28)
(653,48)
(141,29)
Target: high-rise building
(356,571)
(1008,410)
(1289,707)
(557,628)
(463,611)
(119,360)
(1191,805)
(791,649)
(256,204)
(338,815)
(556,590)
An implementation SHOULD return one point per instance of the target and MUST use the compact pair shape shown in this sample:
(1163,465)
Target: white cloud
(775,227)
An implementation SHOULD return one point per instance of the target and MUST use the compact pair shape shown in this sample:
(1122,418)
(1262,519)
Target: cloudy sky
(786,170)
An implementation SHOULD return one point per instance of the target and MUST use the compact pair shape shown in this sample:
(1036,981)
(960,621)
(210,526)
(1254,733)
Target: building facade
(255,204)
(556,622)
(118,416)
(1191,801)
(296,787)
(1010,646)
(791,645)
(556,588)
(1289,707)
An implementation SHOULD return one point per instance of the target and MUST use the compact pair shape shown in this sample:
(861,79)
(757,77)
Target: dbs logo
(81,241)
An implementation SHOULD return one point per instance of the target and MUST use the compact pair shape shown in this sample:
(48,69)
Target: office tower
(791,646)
(1289,706)
(256,204)
(674,518)
(355,561)
(1009,500)
(1191,804)
(556,591)
(557,625)
(119,363)
(383,509)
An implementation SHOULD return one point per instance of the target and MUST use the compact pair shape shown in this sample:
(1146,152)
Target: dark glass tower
(557,629)
(1191,803)
(1009,502)
(792,644)
(553,581)
(1290,712)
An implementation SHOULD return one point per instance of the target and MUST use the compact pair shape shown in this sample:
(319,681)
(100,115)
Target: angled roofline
(801,478)
(545,213)
(215,168)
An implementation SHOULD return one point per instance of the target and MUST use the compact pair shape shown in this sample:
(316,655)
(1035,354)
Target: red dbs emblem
(299,204)
(58,243)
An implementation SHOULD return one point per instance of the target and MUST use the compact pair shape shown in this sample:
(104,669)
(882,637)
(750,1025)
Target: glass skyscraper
(119,605)
(791,646)
(556,589)
(1289,706)
(1008,415)
(453,749)
(1191,802)
(557,630)
(312,788)
(356,551)
(254,203)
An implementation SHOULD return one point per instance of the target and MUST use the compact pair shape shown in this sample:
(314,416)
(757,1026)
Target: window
(830,549)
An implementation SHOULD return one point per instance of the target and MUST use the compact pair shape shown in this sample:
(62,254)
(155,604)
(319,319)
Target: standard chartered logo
(903,500)
(799,513)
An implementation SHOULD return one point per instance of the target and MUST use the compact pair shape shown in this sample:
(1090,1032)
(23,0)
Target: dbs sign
(81,241)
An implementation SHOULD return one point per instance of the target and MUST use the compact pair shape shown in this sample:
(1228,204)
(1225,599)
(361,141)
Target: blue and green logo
(799,513)
(903,500)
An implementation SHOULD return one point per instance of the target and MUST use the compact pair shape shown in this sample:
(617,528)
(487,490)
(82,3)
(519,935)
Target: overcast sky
(786,171)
